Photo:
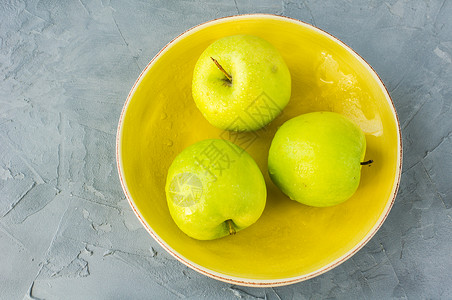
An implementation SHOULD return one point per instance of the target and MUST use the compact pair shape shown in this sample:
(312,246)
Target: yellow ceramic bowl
(291,242)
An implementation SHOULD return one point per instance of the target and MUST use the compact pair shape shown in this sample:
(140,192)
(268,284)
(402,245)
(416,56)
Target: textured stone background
(66,230)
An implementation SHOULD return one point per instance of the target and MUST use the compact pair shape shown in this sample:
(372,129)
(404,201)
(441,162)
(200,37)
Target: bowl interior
(290,241)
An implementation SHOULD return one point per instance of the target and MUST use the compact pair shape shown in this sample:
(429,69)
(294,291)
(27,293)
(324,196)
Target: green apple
(241,83)
(316,158)
(213,189)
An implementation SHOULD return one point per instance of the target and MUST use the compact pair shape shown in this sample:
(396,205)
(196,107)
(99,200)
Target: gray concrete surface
(66,230)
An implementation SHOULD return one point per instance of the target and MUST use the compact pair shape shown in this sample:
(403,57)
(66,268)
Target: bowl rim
(249,281)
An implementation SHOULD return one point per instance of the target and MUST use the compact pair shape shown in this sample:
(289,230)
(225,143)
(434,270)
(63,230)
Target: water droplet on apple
(168,142)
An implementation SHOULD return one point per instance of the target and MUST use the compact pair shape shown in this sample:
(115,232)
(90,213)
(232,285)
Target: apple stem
(231,227)
(229,77)
(363,163)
